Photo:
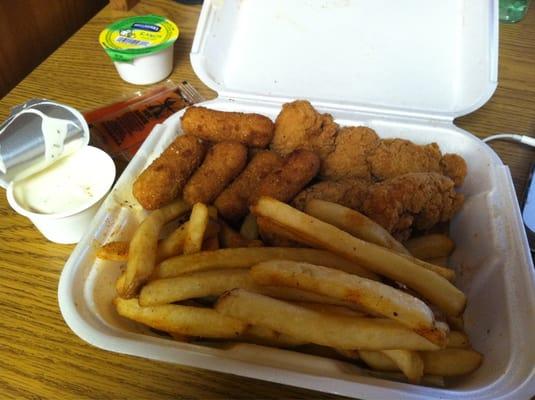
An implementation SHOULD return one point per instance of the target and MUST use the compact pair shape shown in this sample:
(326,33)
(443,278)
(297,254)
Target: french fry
(143,246)
(183,320)
(269,337)
(275,235)
(194,285)
(173,244)
(440,261)
(451,362)
(336,331)
(458,339)
(198,222)
(354,223)
(246,257)
(378,360)
(456,323)
(229,238)
(249,228)
(312,300)
(331,309)
(409,362)
(119,284)
(212,212)
(168,247)
(370,295)
(210,244)
(395,266)
(114,251)
(430,246)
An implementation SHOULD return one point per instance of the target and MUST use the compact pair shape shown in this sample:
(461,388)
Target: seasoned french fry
(246,257)
(269,337)
(378,360)
(395,266)
(458,339)
(229,238)
(451,362)
(331,309)
(440,261)
(409,362)
(353,222)
(143,247)
(430,246)
(173,245)
(371,295)
(210,244)
(194,285)
(303,296)
(249,228)
(184,320)
(198,222)
(114,251)
(445,362)
(336,331)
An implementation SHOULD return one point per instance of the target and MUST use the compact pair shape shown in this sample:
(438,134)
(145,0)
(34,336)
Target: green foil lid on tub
(138,36)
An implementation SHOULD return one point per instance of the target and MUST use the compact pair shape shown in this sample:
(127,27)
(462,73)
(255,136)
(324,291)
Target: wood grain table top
(40,357)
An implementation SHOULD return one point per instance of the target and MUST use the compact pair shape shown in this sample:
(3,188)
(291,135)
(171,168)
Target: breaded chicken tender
(349,158)
(346,192)
(233,202)
(165,178)
(454,166)
(394,157)
(253,130)
(300,126)
(222,164)
(419,200)
(285,182)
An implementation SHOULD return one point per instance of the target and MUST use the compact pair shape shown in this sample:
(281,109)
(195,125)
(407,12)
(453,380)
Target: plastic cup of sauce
(141,48)
(62,199)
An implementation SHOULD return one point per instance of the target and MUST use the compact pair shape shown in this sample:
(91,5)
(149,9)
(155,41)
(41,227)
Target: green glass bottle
(512,11)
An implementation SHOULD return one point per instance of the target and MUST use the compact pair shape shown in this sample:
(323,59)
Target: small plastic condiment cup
(69,226)
(141,48)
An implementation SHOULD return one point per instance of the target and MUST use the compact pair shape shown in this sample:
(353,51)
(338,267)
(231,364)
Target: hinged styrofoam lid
(427,57)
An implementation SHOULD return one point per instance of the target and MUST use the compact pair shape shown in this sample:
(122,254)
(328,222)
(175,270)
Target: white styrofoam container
(405,69)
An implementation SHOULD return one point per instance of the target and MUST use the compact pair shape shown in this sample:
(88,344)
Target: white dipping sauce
(67,186)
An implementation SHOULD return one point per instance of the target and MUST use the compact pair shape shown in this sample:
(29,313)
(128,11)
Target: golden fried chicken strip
(419,200)
(164,179)
(233,202)
(349,158)
(285,182)
(224,161)
(347,192)
(454,166)
(395,157)
(253,130)
(300,126)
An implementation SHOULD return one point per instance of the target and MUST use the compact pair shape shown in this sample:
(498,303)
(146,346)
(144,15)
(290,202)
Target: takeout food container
(405,69)
(141,47)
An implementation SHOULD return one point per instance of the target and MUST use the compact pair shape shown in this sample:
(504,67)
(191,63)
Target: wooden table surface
(39,356)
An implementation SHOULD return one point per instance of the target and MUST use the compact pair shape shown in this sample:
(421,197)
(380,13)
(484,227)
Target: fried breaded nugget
(419,200)
(349,158)
(394,157)
(253,130)
(233,202)
(222,164)
(347,192)
(454,166)
(164,179)
(300,126)
(285,182)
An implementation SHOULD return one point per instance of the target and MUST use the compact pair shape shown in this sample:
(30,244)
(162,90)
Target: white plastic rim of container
(62,200)
(141,48)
